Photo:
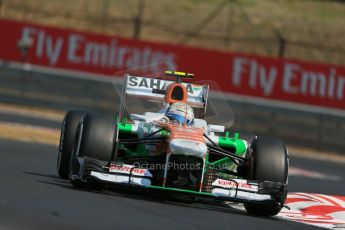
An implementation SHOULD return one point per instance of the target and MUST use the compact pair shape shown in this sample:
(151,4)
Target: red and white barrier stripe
(315,209)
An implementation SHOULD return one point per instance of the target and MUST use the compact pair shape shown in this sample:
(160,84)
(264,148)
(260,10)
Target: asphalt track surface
(32,196)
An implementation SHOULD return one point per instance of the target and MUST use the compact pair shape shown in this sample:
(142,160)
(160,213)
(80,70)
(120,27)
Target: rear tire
(269,162)
(68,132)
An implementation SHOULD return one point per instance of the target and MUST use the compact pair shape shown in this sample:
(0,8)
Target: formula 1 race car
(172,149)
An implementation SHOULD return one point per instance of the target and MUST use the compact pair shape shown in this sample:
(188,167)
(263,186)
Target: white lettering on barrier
(289,74)
(45,44)
(74,42)
(80,50)
(267,77)
(315,84)
(53,49)
(295,79)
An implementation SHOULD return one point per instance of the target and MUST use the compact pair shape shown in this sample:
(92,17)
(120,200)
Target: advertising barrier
(272,78)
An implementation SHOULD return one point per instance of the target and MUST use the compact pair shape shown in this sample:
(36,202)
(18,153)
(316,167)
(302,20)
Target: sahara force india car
(146,152)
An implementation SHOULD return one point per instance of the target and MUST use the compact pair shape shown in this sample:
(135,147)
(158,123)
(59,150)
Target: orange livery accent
(186,132)
(176,92)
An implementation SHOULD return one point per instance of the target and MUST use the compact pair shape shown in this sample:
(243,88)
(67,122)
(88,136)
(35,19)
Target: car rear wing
(154,89)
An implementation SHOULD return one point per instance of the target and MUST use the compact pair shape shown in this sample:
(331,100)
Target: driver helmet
(181,113)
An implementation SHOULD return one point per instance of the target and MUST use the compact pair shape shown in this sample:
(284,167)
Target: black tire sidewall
(98,137)
(270,160)
(67,136)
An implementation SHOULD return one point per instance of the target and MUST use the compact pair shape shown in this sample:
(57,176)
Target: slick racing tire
(68,132)
(269,162)
(95,139)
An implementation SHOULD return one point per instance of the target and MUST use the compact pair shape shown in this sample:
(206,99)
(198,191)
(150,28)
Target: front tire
(269,162)
(68,132)
(95,139)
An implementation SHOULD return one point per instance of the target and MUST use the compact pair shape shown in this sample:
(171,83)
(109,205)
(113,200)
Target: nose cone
(188,147)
